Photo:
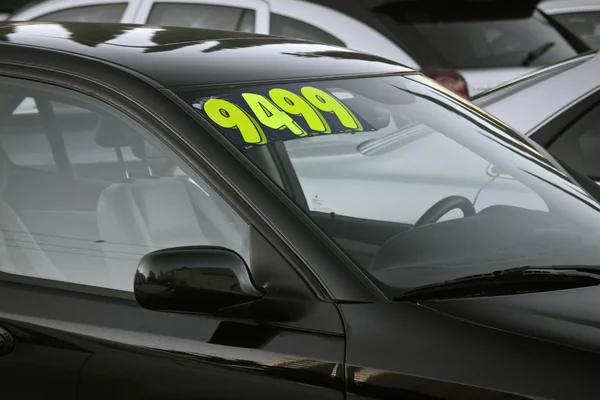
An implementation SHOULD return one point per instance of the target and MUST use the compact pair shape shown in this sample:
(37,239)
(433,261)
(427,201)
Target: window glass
(447,38)
(201,16)
(25,139)
(99,13)
(414,184)
(586,26)
(116,198)
(290,27)
(579,145)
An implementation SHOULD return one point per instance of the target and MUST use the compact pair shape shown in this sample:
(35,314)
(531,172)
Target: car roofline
(554,7)
(573,60)
(57,42)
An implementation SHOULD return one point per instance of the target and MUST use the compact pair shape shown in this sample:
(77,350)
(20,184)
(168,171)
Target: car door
(35,362)
(81,11)
(72,238)
(234,15)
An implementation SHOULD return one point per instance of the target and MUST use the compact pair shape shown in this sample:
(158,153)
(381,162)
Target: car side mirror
(196,279)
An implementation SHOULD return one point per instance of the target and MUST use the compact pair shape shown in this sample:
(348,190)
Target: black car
(190,214)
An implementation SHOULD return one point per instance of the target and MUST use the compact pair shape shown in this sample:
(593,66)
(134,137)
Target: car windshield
(442,41)
(415,184)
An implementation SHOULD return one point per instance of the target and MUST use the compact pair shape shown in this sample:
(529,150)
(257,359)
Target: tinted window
(202,16)
(473,43)
(77,126)
(99,13)
(586,26)
(24,138)
(86,208)
(289,27)
(579,145)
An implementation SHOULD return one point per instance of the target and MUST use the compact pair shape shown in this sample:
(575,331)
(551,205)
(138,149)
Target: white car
(580,17)
(466,52)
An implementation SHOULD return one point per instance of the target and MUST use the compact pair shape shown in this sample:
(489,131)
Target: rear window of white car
(442,38)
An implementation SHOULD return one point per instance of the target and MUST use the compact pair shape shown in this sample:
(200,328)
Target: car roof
(528,102)
(566,6)
(177,57)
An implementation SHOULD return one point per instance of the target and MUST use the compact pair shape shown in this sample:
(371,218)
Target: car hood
(568,317)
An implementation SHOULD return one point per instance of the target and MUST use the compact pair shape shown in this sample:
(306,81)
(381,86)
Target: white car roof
(552,7)
(525,104)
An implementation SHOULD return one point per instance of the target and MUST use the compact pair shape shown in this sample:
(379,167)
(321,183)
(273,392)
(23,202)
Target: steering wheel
(443,207)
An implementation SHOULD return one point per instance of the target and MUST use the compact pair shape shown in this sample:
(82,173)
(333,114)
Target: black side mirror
(197,279)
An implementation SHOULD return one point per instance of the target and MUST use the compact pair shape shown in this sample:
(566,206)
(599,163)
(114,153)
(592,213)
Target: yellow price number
(270,115)
(327,103)
(293,104)
(229,115)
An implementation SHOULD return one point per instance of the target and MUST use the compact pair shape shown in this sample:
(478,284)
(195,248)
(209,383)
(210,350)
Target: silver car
(558,107)
(467,52)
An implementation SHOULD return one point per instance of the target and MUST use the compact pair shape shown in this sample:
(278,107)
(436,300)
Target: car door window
(586,26)
(27,130)
(579,144)
(97,13)
(85,192)
(290,27)
(202,16)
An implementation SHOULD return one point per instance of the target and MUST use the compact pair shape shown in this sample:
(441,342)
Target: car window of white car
(586,26)
(205,16)
(291,27)
(85,191)
(92,13)
(579,144)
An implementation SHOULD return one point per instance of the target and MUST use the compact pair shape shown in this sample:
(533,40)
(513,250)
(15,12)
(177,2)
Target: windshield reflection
(398,196)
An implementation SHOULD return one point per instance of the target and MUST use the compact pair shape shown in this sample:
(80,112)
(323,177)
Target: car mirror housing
(194,279)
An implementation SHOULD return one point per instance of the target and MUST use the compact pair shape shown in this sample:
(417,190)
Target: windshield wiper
(534,54)
(506,282)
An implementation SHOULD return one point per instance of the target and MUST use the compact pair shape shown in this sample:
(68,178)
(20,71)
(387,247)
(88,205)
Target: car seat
(140,215)
(19,252)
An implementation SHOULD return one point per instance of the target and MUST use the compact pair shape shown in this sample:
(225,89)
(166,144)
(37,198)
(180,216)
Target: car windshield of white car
(415,183)
(475,36)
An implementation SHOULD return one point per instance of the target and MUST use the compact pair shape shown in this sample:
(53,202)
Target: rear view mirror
(197,279)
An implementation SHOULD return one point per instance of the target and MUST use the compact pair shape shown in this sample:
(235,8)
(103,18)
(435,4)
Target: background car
(120,281)
(467,52)
(580,17)
(558,107)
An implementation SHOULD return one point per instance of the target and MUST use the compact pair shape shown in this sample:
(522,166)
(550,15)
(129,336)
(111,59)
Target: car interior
(83,194)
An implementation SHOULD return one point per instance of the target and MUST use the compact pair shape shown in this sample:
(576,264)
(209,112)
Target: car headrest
(141,148)
(109,133)
(113,133)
